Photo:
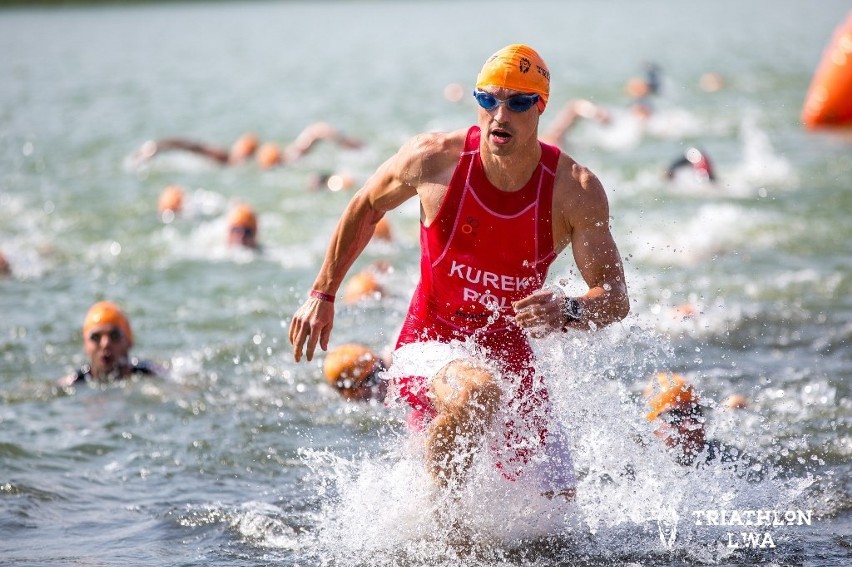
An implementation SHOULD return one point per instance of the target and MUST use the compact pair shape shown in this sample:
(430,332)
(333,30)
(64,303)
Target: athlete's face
(682,430)
(242,236)
(505,131)
(107,348)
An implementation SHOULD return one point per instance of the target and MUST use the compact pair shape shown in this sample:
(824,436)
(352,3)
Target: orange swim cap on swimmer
(171,199)
(672,391)
(383,230)
(244,147)
(107,313)
(243,216)
(517,67)
(349,365)
(269,155)
(361,285)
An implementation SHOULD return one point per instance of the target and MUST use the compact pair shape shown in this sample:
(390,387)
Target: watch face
(573,309)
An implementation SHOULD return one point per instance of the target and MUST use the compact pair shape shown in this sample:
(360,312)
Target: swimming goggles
(243,230)
(675,416)
(515,103)
(113,334)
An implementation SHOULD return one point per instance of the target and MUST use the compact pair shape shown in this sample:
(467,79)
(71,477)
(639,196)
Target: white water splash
(383,508)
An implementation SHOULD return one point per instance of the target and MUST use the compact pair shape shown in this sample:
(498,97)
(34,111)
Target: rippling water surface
(238,456)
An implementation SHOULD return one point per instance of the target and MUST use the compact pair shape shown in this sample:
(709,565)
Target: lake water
(239,456)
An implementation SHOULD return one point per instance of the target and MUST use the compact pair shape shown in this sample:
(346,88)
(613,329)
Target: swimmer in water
(242,227)
(248,145)
(170,203)
(570,114)
(680,423)
(353,370)
(334,182)
(107,340)
(696,161)
(643,90)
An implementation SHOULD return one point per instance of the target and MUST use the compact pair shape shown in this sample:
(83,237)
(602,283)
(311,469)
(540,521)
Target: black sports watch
(572,309)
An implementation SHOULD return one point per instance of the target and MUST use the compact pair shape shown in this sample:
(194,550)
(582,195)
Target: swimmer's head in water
(242,226)
(667,391)
(350,368)
(171,199)
(243,216)
(677,415)
(244,147)
(269,155)
(519,68)
(107,313)
(362,285)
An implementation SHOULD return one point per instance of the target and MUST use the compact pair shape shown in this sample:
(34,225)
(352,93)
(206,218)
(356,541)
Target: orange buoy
(829,98)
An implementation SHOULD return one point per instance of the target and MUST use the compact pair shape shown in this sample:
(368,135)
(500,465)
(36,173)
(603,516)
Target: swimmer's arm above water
(151,148)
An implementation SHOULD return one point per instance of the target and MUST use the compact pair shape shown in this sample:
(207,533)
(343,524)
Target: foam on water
(381,508)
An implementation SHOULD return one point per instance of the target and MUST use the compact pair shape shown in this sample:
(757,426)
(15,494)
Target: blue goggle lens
(516,103)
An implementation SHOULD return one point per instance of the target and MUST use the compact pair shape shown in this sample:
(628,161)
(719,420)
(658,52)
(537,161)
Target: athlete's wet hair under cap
(517,67)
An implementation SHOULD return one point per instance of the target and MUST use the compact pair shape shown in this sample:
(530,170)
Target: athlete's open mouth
(502,134)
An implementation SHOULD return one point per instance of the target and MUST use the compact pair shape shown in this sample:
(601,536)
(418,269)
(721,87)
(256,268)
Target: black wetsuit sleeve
(677,164)
(81,373)
(143,367)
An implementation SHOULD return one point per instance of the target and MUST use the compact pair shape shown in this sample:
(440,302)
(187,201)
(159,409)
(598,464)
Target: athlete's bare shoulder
(576,182)
(424,165)
(430,157)
(579,200)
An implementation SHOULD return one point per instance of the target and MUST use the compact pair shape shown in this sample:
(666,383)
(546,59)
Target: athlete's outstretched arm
(386,189)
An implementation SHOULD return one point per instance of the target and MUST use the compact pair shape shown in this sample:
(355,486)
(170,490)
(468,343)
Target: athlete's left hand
(541,312)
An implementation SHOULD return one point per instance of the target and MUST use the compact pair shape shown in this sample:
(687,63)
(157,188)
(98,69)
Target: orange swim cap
(349,365)
(361,285)
(244,147)
(735,401)
(517,67)
(171,199)
(674,392)
(383,230)
(269,155)
(243,216)
(107,313)
(637,88)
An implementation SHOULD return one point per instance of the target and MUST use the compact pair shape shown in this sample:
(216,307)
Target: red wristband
(323,296)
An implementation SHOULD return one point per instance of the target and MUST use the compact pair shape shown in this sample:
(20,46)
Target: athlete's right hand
(311,323)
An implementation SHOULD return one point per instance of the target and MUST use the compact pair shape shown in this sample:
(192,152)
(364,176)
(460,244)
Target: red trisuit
(485,249)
